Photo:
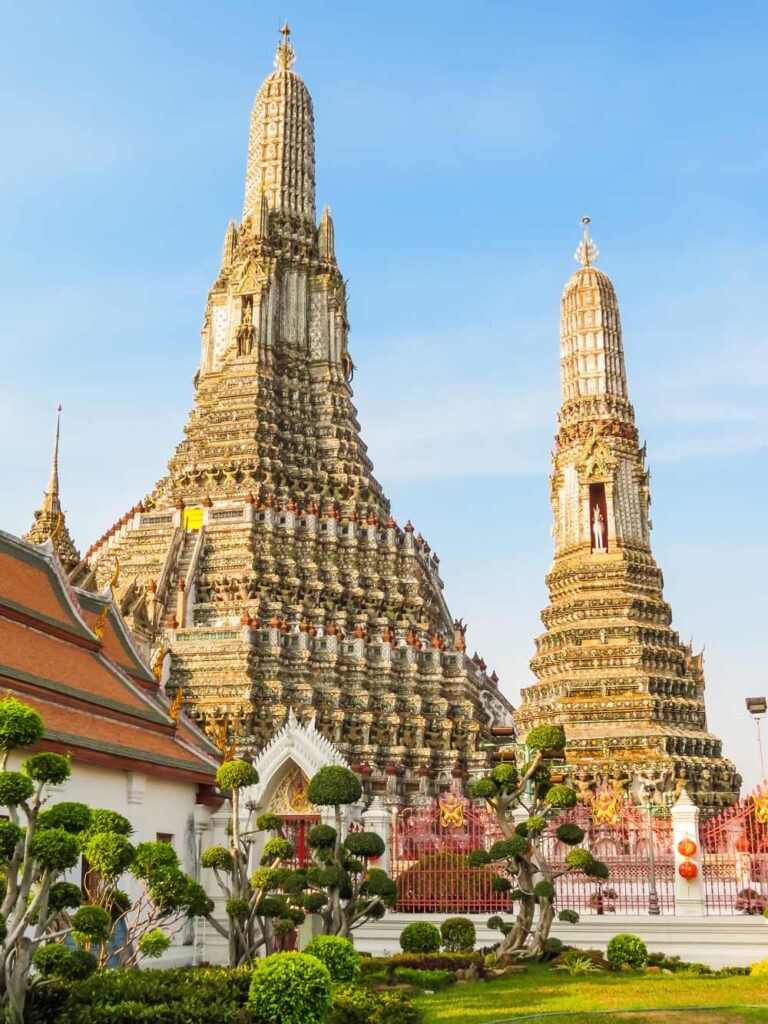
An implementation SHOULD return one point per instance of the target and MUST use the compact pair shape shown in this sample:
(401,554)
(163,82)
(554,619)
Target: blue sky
(458,148)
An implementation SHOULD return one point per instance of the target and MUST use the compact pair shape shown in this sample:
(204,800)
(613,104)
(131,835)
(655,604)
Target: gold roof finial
(51,498)
(587,252)
(285,55)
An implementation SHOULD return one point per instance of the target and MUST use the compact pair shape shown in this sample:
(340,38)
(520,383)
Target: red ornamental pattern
(734,856)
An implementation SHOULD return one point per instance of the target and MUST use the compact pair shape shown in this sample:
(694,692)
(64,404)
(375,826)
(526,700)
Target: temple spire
(49,524)
(281,145)
(51,497)
(591,347)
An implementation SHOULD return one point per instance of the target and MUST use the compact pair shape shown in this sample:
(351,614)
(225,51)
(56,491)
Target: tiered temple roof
(70,656)
(265,571)
(609,666)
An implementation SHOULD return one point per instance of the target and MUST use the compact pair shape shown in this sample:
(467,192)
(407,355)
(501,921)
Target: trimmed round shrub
(64,895)
(15,788)
(553,946)
(458,934)
(627,949)
(55,849)
(152,856)
(484,789)
(321,837)
(561,796)
(544,890)
(109,853)
(49,960)
(339,956)
(20,725)
(546,737)
(91,924)
(333,786)
(217,857)
(69,815)
(478,858)
(104,820)
(597,870)
(364,844)
(46,767)
(495,923)
(420,937)
(579,859)
(154,943)
(569,833)
(515,846)
(505,775)
(236,775)
(289,988)
(237,908)
(269,823)
(10,834)
(276,849)
(535,825)
(568,916)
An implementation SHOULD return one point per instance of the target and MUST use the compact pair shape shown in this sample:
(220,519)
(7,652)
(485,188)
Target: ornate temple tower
(50,523)
(610,668)
(265,572)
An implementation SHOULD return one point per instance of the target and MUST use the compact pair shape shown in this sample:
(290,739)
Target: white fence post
(689,896)
(379,820)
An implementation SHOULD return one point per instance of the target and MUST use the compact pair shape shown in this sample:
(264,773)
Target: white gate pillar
(379,820)
(689,896)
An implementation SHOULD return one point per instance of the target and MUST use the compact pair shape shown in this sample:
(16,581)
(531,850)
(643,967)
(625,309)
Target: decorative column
(378,819)
(689,891)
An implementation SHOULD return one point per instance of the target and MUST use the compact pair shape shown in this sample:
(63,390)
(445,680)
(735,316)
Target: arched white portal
(295,746)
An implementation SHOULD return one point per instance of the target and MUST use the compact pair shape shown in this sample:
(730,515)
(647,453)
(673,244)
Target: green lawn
(541,990)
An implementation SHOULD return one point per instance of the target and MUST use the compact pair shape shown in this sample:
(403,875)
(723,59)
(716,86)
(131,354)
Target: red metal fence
(429,858)
(734,856)
(430,846)
(637,847)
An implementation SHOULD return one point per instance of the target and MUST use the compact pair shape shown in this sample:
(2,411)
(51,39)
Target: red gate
(296,828)
(430,845)
(618,833)
(734,856)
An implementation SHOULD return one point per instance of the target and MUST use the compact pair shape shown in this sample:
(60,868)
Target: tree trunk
(546,917)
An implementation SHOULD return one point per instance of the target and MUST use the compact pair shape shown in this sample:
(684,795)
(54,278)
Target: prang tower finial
(281,145)
(49,524)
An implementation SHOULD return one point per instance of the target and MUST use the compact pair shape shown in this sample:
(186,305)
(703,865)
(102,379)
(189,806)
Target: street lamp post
(653,896)
(756,706)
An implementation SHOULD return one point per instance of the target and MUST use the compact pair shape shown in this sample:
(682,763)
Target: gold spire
(285,55)
(587,252)
(51,497)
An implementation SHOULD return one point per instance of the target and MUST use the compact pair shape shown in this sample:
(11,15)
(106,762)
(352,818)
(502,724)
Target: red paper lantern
(686,847)
(688,870)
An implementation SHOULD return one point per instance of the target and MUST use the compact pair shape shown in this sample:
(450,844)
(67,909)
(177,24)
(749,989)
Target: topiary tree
(38,844)
(255,910)
(524,870)
(289,988)
(347,892)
